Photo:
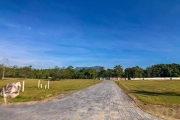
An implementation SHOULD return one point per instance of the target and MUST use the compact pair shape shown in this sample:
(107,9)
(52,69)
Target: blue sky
(48,33)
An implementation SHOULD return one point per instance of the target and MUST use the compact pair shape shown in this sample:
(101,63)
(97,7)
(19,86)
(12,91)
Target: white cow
(10,90)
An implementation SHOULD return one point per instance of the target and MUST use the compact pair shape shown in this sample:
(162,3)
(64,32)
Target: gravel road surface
(103,101)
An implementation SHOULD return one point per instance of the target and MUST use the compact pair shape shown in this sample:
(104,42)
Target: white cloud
(36,55)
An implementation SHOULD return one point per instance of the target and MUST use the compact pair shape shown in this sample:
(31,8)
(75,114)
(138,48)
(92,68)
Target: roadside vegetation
(58,73)
(161,98)
(57,88)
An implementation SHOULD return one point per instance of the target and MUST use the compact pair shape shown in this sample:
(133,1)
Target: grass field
(57,88)
(160,98)
(165,93)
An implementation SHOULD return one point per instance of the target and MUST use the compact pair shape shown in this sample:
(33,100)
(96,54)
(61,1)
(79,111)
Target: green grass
(33,93)
(166,93)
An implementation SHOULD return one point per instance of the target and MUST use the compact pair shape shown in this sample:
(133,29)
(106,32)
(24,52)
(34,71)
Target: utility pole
(5,60)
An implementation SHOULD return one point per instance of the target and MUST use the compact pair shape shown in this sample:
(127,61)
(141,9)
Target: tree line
(57,73)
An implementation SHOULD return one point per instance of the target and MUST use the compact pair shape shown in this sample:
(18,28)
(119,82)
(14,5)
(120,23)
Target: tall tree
(70,72)
(134,72)
(118,69)
(102,72)
(110,72)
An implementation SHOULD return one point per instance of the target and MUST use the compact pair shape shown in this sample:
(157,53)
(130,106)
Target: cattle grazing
(10,90)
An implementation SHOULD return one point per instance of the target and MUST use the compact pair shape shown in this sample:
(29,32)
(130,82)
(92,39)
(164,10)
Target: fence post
(48,84)
(4,95)
(23,87)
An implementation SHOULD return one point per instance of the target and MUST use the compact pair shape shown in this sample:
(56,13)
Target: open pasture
(57,88)
(160,98)
(166,93)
